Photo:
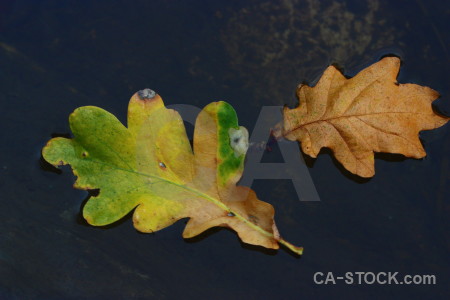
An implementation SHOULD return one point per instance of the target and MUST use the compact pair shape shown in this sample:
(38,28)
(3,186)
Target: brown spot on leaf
(253,219)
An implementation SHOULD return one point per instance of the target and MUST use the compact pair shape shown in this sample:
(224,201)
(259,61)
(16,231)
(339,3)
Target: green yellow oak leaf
(356,117)
(150,167)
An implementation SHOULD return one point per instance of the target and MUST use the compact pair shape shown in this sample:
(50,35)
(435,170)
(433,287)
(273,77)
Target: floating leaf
(150,167)
(356,117)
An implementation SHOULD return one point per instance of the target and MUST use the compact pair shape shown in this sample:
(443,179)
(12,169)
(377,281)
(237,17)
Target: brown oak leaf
(356,117)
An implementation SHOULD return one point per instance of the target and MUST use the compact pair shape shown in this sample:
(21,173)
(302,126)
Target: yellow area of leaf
(356,117)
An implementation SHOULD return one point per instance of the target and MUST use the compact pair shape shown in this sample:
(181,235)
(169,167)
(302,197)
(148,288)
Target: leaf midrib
(349,116)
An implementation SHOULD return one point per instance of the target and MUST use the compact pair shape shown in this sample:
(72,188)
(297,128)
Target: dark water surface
(58,55)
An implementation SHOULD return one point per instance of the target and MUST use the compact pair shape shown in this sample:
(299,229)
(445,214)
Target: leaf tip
(146,94)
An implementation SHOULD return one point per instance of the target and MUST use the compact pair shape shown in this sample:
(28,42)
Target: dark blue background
(59,55)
